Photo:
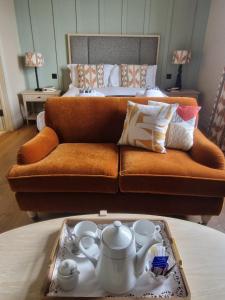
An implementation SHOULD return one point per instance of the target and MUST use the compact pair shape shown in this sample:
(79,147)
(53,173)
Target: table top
(33,92)
(25,252)
(182,92)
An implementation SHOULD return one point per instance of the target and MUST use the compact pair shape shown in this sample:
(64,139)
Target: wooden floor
(10,215)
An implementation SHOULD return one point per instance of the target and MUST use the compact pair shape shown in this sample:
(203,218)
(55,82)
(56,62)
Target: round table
(25,252)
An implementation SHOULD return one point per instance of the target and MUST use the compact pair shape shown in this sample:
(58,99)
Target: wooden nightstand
(183,93)
(33,102)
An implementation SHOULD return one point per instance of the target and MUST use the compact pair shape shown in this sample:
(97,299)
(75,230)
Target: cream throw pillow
(90,76)
(145,126)
(180,133)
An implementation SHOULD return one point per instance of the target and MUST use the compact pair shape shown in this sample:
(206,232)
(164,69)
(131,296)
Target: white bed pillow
(107,71)
(154,92)
(40,121)
(72,91)
(74,74)
(151,76)
(114,78)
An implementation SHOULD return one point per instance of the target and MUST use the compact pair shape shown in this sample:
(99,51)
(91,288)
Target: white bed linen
(117,91)
(74,91)
(102,92)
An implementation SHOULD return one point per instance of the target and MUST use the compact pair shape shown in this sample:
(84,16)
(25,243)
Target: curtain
(216,129)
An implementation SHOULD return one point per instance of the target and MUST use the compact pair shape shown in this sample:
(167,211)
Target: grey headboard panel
(113,49)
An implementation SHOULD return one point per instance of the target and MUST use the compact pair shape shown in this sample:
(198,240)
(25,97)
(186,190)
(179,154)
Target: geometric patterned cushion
(145,126)
(90,76)
(181,128)
(133,75)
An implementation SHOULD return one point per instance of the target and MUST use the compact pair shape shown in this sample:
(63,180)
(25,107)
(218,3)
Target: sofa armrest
(206,152)
(38,147)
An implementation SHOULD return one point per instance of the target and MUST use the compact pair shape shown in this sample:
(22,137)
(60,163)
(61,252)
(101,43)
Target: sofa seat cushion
(72,168)
(175,172)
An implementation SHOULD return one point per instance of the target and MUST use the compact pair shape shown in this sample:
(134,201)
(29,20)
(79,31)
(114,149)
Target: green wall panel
(124,16)
(199,28)
(44,39)
(87,16)
(135,17)
(43,25)
(110,16)
(64,21)
(164,10)
(147,14)
(25,37)
(181,34)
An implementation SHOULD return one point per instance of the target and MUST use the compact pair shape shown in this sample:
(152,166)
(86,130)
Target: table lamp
(34,60)
(180,57)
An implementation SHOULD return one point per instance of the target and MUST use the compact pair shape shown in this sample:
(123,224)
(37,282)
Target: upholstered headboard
(113,49)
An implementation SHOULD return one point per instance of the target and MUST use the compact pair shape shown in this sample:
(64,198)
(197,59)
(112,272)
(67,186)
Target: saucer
(158,237)
(93,250)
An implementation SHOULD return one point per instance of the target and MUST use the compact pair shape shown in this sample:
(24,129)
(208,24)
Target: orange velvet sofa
(74,164)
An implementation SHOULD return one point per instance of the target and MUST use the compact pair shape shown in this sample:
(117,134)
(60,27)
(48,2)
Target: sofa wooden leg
(205,219)
(33,215)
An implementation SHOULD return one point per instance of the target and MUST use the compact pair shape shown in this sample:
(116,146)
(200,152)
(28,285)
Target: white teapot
(118,264)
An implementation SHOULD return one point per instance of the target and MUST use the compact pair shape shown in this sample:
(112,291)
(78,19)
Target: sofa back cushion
(94,119)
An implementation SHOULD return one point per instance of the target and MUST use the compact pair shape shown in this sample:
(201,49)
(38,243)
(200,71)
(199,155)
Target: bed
(112,51)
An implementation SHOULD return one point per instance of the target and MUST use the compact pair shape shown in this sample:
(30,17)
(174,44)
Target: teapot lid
(117,236)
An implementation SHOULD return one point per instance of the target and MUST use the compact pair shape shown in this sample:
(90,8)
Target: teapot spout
(142,255)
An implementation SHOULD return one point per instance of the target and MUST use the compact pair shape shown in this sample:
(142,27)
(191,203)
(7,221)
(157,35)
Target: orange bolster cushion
(38,147)
(206,152)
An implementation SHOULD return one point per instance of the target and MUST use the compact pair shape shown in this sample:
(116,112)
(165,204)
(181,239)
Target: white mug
(143,229)
(79,229)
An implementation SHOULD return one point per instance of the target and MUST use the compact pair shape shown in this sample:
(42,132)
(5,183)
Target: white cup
(145,229)
(81,228)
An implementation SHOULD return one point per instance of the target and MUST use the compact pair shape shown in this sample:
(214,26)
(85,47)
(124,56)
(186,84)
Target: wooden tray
(105,220)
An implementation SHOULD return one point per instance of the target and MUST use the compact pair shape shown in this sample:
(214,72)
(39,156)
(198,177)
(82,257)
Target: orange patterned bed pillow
(90,76)
(133,75)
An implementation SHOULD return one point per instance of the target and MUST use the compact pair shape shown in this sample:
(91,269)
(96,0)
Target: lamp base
(38,89)
(178,84)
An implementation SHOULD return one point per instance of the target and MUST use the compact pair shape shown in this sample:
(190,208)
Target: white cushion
(145,126)
(180,133)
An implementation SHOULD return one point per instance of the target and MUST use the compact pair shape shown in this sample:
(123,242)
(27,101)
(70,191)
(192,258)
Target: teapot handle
(96,239)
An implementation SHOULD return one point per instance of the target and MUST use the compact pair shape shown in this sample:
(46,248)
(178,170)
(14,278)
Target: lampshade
(181,57)
(33,59)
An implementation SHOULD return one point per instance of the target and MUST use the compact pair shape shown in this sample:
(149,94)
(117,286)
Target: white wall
(213,60)
(9,51)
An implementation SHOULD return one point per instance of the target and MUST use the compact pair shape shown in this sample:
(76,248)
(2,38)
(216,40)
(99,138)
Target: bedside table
(183,93)
(33,102)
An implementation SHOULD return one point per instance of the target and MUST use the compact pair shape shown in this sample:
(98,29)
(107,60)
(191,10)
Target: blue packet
(160,261)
